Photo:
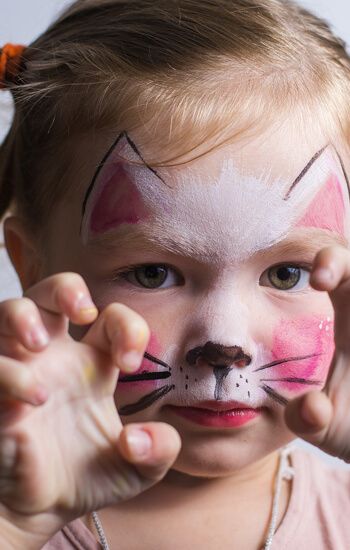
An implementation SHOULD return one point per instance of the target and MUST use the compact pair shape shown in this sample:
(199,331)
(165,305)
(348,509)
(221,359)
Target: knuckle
(15,310)
(26,303)
(67,279)
(116,309)
(5,307)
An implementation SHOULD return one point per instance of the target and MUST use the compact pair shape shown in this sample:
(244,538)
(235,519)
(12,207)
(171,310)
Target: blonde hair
(182,71)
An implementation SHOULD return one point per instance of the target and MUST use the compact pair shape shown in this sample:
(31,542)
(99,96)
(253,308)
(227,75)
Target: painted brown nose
(217,355)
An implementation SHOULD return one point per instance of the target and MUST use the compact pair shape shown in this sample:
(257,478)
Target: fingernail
(139,442)
(85,305)
(324,275)
(38,337)
(130,361)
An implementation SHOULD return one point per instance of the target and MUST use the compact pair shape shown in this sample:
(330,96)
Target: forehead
(233,201)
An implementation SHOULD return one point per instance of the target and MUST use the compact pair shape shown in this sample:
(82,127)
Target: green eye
(284,277)
(151,276)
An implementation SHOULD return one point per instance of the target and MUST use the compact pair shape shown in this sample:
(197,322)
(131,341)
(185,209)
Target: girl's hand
(323,418)
(63,449)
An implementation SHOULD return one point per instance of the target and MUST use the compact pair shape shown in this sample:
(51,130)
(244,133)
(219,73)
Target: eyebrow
(306,240)
(300,242)
(135,239)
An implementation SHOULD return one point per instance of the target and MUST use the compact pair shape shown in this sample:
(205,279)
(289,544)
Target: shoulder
(324,481)
(74,536)
(319,502)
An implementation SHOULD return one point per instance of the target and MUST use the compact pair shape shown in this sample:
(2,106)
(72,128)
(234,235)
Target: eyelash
(130,271)
(129,275)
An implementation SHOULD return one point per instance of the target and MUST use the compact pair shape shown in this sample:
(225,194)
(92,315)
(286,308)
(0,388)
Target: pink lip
(229,414)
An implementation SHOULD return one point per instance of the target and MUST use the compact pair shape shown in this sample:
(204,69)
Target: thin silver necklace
(285,471)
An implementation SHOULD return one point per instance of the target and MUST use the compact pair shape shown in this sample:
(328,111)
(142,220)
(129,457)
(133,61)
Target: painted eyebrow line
(304,172)
(103,161)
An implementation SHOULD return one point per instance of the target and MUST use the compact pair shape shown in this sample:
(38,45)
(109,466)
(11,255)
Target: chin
(214,455)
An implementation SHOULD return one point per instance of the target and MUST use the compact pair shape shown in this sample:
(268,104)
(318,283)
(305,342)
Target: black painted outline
(287,360)
(304,172)
(89,190)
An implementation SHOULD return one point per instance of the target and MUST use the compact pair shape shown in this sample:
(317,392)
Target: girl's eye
(152,276)
(285,277)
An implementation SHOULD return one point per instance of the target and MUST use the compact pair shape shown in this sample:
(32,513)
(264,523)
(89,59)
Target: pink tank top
(318,515)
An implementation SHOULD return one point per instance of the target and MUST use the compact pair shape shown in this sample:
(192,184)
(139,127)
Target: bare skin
(192,504)
(80,378)
(63,500)
(43,399)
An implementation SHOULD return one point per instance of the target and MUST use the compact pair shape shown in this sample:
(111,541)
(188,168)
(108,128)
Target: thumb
(151,447)
(309,417)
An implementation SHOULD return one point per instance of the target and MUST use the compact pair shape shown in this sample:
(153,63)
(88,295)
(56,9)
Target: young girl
(176,177)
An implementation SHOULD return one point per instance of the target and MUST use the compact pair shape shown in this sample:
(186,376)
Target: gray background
(23,20)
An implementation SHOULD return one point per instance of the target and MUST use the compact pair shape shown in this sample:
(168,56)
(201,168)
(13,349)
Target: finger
(331,268)
(122,333)
(20,320)
(67,294)
(331,272)
(18,382)
(151,447)
(309,417)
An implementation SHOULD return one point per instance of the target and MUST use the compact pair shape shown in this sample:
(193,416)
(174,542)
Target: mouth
(218,414)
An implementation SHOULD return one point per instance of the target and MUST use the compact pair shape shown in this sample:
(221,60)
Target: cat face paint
(209,211)
(207,215)
(295,358)
(113,198)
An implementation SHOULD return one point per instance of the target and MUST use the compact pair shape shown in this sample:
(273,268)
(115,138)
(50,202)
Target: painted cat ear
(113,198)
(114,150)
(327,209)
(323,207)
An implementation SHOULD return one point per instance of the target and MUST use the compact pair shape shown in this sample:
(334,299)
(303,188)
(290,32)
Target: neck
(249,480)
(184,498)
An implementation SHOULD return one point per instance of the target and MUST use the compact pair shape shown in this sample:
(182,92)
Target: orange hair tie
(10,62)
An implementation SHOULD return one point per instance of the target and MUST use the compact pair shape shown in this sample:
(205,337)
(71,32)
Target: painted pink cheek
(306,337)
(118,203)
(153,349)
(327,210)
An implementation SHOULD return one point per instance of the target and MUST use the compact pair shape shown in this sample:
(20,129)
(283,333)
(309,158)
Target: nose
(217,355)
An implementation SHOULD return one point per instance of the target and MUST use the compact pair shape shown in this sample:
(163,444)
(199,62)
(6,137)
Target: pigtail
(6,174)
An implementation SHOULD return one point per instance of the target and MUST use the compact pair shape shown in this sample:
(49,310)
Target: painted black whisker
(286,360)
(145,401)
(155,360)
(274,395)
(294,380)
(144,376)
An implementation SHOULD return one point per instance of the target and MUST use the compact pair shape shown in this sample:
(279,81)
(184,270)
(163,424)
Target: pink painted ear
(114,197)
(327,209)
(119,201)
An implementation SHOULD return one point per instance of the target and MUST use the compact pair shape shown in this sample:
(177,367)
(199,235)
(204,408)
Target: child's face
(215,255)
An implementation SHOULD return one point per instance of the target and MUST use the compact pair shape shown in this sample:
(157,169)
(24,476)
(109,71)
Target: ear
(23,251)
